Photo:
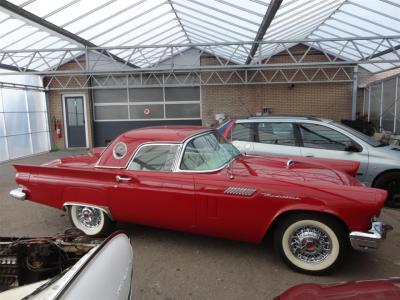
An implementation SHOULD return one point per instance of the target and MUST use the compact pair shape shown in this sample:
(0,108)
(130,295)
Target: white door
(242,136)
(276,138)
(325,142)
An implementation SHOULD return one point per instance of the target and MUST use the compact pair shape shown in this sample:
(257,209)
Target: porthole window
(119,150)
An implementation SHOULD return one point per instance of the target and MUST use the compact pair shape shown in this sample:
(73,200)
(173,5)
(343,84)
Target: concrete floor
(173,265)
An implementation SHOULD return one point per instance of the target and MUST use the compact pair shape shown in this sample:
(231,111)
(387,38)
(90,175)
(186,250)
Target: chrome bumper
(371,240)
(18,194)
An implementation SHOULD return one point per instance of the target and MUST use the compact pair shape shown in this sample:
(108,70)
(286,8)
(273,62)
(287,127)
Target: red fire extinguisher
(57,128)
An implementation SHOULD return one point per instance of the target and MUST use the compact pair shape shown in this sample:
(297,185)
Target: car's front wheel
(92,221)
(310,244)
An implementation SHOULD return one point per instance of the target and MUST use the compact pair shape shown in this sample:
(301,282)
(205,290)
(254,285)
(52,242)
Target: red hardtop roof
(136,137)
(169,133)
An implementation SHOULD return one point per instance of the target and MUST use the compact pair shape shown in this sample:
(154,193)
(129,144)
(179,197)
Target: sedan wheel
(391,183)
(311,245)
(92,221)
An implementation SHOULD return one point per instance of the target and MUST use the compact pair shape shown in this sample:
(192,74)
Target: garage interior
(75,74)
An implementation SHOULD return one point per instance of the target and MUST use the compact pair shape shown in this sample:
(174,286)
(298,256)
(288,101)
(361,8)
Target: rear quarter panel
(54,186)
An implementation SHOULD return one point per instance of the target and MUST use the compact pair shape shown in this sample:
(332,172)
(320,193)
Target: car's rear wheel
(311,244)
(391,183)
(92,221)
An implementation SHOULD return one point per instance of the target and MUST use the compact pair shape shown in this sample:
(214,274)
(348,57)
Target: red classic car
(192,179)
(388,289)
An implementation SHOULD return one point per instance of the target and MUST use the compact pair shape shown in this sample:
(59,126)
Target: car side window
(242,132)
(322,137)
(154,158)
(276,133)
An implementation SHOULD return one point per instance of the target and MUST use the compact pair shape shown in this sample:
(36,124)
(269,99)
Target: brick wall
(328,100)
(56,105)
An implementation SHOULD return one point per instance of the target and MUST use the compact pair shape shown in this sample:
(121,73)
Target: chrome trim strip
(105,209)
(371,240)
(18,194)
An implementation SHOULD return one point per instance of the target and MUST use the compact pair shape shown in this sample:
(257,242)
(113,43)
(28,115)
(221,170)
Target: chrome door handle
(309,155)
(119,178)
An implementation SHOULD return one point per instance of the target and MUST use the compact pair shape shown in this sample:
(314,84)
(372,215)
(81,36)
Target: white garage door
(24,126)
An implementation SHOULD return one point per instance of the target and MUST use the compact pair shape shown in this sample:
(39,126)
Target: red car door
(154,198)
(221,212)
(150,192)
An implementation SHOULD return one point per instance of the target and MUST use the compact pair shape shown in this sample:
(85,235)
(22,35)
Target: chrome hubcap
(310,244)
(88,217)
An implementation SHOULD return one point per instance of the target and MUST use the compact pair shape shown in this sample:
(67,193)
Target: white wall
(24,126)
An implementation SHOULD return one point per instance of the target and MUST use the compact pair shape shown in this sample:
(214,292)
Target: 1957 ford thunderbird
(192,179)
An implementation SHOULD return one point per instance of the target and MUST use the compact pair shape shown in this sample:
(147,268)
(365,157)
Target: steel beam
(266,22)
(179,21)
(31,18)
(354,93)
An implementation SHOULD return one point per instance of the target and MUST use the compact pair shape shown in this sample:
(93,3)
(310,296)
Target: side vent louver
(240,191)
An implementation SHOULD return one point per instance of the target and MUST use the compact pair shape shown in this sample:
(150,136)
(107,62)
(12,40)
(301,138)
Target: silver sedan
(316,137)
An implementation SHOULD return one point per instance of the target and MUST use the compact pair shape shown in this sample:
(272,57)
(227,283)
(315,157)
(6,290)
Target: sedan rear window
(242,132)
(276,133)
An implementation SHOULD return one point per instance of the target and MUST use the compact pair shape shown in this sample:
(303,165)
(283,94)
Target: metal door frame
(64,96)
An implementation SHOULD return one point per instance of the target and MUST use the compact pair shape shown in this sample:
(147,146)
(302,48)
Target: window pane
(316,136)
(19,145)
(276,133)
(36,101)
(3,149)
(146,95)
(208,152)
(2,125)
(14,100)
(147,111)
(16,123)
(40,142)
(242,132)
(182,110)
(155,158)
(375,105)
(38,121)
(114,112)
(110,96)
(182,94)
(388,104)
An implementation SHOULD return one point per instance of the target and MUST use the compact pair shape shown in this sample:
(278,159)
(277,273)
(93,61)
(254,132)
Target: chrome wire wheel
(88,216)
(91,220)
(310,244)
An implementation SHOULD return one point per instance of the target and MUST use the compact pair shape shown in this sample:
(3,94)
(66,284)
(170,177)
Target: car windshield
(365,138)
(209,151)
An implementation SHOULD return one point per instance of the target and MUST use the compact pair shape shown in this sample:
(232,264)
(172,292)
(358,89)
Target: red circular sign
(146,111)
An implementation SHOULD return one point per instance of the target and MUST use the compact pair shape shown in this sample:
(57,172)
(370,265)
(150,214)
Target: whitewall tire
(92,221)
(310,244)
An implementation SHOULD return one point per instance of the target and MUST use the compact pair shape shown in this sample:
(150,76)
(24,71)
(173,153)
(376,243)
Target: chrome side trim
(371,240)
(104,209)
(18,194)
(240,191)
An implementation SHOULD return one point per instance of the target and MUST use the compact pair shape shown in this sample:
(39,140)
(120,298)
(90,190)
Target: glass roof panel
(41,8)
(133,22)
